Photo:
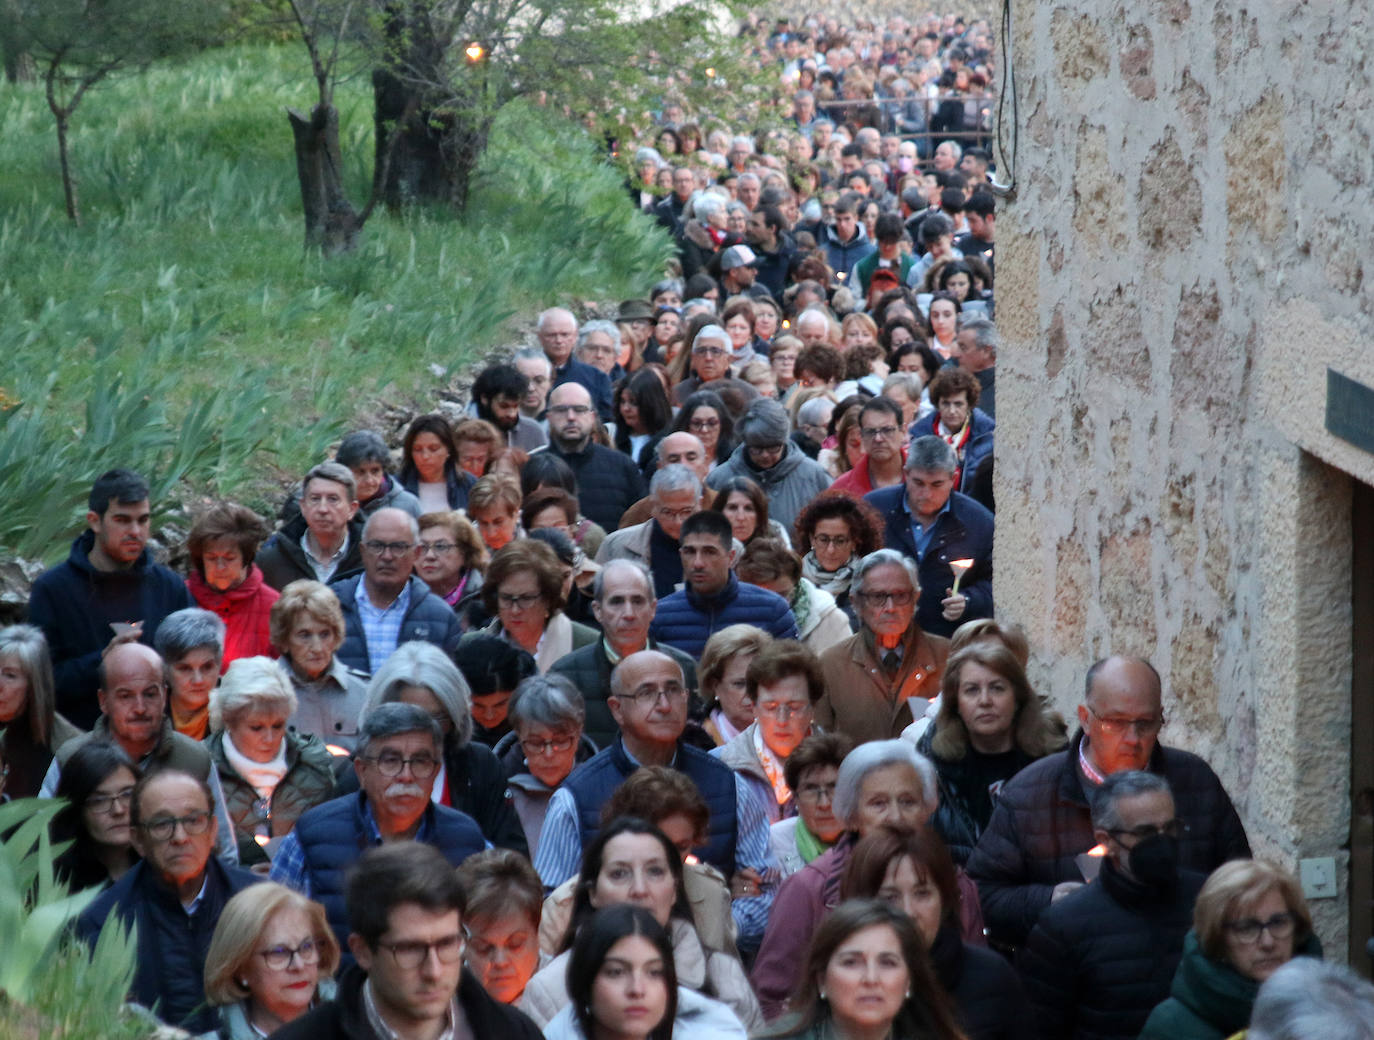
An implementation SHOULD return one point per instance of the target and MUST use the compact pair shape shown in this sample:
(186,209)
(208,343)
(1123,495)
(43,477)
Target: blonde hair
(1239,884)
(239,930)
(464,536)
(305,597)
(720,648)
(251,684)
(1032,730)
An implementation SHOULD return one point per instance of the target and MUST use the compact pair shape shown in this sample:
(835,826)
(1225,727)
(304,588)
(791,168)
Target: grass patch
(181,330)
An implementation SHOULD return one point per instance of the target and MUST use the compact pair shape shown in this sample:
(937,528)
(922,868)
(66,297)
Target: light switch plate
(1318,877)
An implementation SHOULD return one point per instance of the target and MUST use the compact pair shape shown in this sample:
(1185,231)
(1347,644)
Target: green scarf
(801,605)
(808,844)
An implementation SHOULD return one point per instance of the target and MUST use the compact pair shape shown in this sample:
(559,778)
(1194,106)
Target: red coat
(246,611)
(856,482)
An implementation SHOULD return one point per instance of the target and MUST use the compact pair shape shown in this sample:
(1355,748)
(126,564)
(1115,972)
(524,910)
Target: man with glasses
(608,481)
(681,448)
(649,704)
(1098,961)
(557,331)
(173,896)
(767,456)
(675,494)
(1029,855)
(406,935)
(387,604)
(396,760)
(884,443)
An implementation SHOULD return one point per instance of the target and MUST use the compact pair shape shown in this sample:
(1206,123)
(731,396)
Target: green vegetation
(182,331)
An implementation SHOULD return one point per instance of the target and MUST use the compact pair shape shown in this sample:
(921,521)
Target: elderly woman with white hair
(771,459)
(470,778)
(704,233)
(270,776)
(880,783)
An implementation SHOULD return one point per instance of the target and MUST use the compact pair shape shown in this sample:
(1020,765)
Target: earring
(822,994)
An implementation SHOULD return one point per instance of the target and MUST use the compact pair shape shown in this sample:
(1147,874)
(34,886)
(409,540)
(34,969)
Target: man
(623,603)
(887,257)
(737,269)
(870,142)
(324,542)
(608,481)
(1026,859)
(648,700)
(881,678)
(747,190)
(598,345)
(676,449)
(937,243)
(974,165)
(538,369)
(173,896)
(947,156)
(958,421)
(846,243)
(978,342)
(883,437)
(766,232)
(1098,961)
(406,930)
(638,317)
(396,759)
(387,604)
(981,214)
(557,331)
(107,593)
(767,456)
(497,396)
(804,112)
(669,211)
(675,492)
(935,525)
(714,597)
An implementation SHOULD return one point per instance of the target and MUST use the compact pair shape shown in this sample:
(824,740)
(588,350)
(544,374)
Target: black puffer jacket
(1101,958)
(282,560)
(1041,823)
(988,998)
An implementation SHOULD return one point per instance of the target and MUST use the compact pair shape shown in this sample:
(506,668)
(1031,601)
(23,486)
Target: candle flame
(1098,850)
(261,839)
(690,860)
(960,566)
(337,751)
(474,51)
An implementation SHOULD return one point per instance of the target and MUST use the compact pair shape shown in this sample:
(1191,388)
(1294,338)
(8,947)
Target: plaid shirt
(381,628)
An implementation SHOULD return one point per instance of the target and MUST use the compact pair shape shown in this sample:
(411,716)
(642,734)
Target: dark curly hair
(865,523)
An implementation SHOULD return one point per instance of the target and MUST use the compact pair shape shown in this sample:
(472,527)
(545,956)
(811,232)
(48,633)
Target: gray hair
(252,684)
(1121,785)
(545,315)
(188,629)
(764,422)
(735,206)
(674,477)
(550,700)
(363,446)
(931,454)
(705,306)
(955,147)
(388,720)
(711,332)
(882,558)
(423,664)
(411,522)
(706,204)
(1308,998)
(599,582)
(747,177)
(532,354)
(813,313)
(742,139)
(335,471)
(984,332)
(667,285)
(874,755)
(908,382)
(610,328)
(28,645)
(817,411)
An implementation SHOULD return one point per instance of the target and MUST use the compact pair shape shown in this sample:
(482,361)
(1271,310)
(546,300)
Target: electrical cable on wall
(1007,188)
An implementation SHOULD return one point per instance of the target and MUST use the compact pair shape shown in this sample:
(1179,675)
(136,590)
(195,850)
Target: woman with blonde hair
(271,959)
(721,679)
(452,557)
(307,628)
(30,728)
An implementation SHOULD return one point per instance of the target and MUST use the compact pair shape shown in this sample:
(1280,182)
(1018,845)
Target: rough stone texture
(1165,483)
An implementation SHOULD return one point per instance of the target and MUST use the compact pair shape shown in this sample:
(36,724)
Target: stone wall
(1183,258)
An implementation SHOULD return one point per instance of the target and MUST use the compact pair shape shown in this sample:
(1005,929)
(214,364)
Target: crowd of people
(662,692)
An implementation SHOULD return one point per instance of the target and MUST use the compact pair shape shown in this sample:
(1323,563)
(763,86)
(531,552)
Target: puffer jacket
(686,620)
(246,611)
(427,618)
(608,482)
(790,483)
(1099,960)
(988,998)
(1042,823)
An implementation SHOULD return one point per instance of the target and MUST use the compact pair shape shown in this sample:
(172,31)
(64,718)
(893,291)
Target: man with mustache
(397,758)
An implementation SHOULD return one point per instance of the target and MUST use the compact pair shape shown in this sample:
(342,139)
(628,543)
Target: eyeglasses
(674,514)
(763,450)
(518,602)
(388,548)
(816,793)
(709,352)
(1116,727)
(703,425)
(392,763)
(164,827)
(105,803)
(782,712)
(548,747)
(831,541)
(648,696)
(1174,829)
(571,409)
(436,548)
(1248,929)
(280,957)
(870,433)
(410,955)
(880,599)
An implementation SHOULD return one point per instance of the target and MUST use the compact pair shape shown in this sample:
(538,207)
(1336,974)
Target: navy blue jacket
(594,781)
(597,382)
(608,481)
(686,620)
(74,604)
(428,618)
(335,834)
(964,532)
(170,973)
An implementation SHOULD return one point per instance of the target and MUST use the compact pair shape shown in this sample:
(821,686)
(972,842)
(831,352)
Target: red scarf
(957,441)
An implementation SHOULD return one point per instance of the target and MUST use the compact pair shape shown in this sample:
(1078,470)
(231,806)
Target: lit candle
(960,568)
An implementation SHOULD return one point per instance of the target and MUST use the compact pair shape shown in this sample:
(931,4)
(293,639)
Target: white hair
(252,684)
(872,756)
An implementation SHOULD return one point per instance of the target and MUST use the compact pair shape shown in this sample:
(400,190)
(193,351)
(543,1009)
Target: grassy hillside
(182,331)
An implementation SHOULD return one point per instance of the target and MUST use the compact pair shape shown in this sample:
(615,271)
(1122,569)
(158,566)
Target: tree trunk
(19,68)
(68,183)
(331,222)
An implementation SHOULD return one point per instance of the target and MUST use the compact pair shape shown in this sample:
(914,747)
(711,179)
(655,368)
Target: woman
(746,507)
(631,861)
(576,574)
(224,579)
(783,682)
(30,728)
(524,593)
(271,959)
(98,785)
(689,135)
(704,415)
(810,773)
(843,447)
(469,777)
(429,467)
(833,533)
(782,357)
(1250,919)
(897,332)
(643,413)
(493,669)
(956,278)
(547,470)
(721,678)
(501,921)
(736,218)
(965,427)
(549,508)
(190,642)
(821,623)
(943,319)
(767,321)
(667,293)
(494,506)
(866,976)
(912,872)
(858,330)
(881,782)
(738,322)
(990,725)
(270,777)
(478,443)
(668,142)
(667,327)
(307,628)
(452,556)
(704,231)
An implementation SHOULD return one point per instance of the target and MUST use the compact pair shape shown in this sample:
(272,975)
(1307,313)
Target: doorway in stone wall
(1362,727)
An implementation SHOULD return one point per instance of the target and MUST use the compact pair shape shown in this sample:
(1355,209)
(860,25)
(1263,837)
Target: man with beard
(497,394)
(608,481)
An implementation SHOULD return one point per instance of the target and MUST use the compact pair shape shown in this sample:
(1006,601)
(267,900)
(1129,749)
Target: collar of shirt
(194,904)
(401,603)
(309,544)
(1090,772)
(452,1018)
(638,763)
(374,833)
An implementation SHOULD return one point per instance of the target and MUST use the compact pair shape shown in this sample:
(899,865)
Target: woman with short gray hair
(191,644)
(270,776)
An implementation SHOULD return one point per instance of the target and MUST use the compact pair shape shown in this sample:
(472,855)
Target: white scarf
(264,776)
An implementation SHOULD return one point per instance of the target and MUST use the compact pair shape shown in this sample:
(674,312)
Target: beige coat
(861,701)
